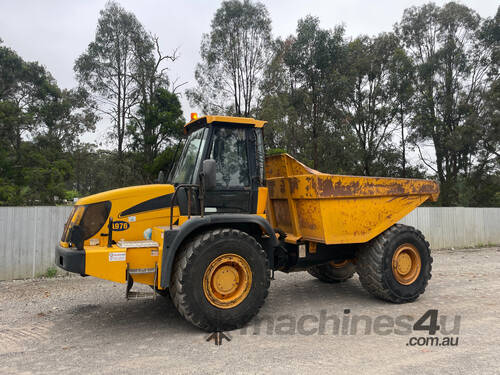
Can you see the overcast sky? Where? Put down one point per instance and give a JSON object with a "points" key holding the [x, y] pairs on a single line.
{"points": [[56, 32]]}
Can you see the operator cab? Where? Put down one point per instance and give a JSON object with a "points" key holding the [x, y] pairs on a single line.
{"points": [[237, 147]]}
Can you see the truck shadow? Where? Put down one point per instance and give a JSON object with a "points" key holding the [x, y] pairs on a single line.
{"points": [[139, 318], [148, 317]]}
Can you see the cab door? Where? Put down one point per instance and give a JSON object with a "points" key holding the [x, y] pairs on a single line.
{"points": [[229, 147]]}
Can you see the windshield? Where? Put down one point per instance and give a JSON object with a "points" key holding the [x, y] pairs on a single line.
{"points": [[189, 162]]}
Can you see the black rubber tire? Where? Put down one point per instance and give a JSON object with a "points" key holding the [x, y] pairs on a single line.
{"points": [[162, 292], [374, 264], [330, 274], [186, 285]]}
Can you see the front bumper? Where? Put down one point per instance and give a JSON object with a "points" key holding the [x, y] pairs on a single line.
{"points": [[70, 259]]}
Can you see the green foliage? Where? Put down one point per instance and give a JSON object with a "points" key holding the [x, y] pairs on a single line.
{"points": [[369, 109], [234, 54], [124, 70], [301, 86], [330, 101], [70, 195], [275, 151], [451, 62], [108, 67], [373, 105], [361, 106], [158, 125], [39, 125], [50, 273], [401, 84]]}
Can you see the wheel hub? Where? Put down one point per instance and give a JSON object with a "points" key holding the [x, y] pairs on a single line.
{"points": [[406, 264], [227, 281]]}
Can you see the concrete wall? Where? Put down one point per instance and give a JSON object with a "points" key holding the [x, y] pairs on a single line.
{"points": [[28, 234]]}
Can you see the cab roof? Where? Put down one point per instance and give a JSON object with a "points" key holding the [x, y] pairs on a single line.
{"points": [[224, 119]]}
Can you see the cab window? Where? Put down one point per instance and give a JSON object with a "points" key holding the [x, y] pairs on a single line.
{"points": [[229, 150], [189, 163]]}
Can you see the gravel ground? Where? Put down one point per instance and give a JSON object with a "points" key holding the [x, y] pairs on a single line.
{"points": [[85, 325]]}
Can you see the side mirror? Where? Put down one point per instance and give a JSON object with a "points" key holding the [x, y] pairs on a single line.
{"points": [[209, 174]]}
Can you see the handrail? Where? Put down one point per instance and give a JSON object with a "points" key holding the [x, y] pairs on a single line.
{"points": [[177, 188]]}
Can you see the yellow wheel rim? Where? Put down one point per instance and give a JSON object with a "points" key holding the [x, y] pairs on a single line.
{"points": [[227, 281], [406, 264], [340, 264]]}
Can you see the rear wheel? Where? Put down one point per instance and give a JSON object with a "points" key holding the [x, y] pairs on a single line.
{"points": [[333, 272], [396, 265], [220, 280]]}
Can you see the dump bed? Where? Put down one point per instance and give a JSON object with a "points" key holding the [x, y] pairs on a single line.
{"points": [[336, 209]]}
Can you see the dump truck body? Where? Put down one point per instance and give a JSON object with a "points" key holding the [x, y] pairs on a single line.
{"points": [[211, 238], [336, 209]]}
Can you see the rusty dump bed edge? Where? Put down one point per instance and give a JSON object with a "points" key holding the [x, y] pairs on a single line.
{"points": [[335, 209]]}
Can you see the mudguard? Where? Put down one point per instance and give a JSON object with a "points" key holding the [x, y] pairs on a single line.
{"points": [[172, 239]]}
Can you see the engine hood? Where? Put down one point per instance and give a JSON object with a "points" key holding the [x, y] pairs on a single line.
{"points": [[131, 193]]}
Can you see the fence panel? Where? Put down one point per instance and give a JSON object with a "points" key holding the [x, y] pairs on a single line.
{"points": [[446, 227], [28, 234], [27, 239]]}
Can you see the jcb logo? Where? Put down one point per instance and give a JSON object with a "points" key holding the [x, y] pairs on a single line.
{"points": [[120, 225]]}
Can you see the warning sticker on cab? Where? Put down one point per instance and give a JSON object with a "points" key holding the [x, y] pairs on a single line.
{"points": [[117, 257]]}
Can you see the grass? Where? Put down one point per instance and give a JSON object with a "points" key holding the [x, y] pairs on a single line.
{"points": [[50, 273]]}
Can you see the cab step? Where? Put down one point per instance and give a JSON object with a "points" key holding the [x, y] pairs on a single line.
{"points": [[141, 271], [132, 294]]}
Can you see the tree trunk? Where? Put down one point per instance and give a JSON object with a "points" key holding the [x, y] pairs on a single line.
{"points": [[403, 143]]}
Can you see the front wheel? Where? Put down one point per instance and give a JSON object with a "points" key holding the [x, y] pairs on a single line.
{"points": [[396, 265], [220, 280], [162, 292]]}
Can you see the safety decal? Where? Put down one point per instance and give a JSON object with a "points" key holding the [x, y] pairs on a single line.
{"points": [[117, 257]]}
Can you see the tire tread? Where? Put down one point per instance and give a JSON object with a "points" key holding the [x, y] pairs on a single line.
{"points": [[370, 269], [181, 273]]}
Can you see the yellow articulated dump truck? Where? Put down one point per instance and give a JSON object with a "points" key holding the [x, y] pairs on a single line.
{"points": [[229, 217]]}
